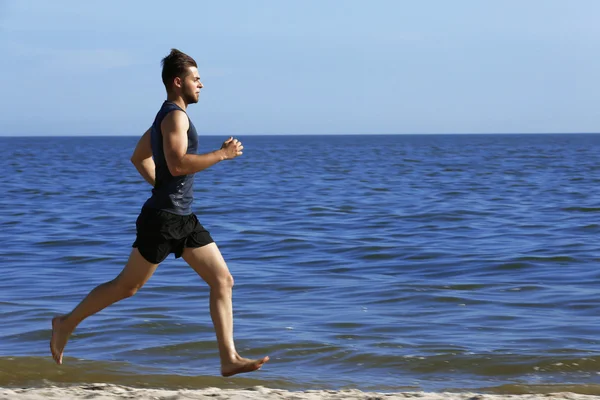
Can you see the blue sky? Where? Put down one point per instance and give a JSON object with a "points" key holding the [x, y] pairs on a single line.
{"points": [[304, 66]]}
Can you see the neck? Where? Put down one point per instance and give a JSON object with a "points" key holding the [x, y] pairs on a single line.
{"points": [[174, 98]]}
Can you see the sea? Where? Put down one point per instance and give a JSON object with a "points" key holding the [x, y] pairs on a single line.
{"points": [[383, 263]]}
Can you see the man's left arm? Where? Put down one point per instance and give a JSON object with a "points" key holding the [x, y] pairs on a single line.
{"points": [[142, 158]]}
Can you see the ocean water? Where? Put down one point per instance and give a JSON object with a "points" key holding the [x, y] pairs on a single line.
{"points": [[388, 263]]}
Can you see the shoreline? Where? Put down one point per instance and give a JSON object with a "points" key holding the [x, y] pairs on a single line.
{"points": [[104, 391]]}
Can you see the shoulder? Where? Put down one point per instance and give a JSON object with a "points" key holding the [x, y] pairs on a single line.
{"points": [[175, 120]]}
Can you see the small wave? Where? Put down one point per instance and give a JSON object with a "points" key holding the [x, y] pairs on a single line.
{"points": [[38, 371], [71, 242], [581, 209], [29, 371], [380, 256], [554, 389], [514, 266], [83, 259], [548, 259]]}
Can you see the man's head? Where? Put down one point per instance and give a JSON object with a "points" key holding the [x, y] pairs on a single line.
{"points": [[180, 76]]}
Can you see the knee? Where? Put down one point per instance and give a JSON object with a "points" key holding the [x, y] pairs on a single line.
{"points": [[126, 289], [129, 291], [224, 282]]}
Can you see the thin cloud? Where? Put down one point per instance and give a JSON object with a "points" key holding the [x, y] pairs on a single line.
{"points": [[3, 13], [95, 59], [71, 59]]}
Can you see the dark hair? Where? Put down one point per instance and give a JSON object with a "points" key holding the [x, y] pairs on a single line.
{"points": [[175, 65]]}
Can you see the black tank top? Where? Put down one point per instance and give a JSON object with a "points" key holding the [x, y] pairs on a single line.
{"points": [[173, 194]]}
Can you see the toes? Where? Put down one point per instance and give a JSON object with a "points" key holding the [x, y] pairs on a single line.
{"points": [[262, 361], [55, 356]]}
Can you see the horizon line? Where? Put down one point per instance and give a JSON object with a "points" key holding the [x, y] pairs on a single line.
{"points": [[312, 134]]}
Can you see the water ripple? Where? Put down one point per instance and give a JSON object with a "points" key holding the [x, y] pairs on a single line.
{"points": [[428, 261]]}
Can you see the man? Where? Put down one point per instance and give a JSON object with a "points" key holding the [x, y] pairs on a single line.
{"points": [[166, 156]]}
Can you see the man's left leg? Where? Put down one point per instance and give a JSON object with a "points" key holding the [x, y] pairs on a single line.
{"points": [[208, 262]]}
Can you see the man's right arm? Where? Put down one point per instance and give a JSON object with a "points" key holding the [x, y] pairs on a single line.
{"points": [[142, 158], [174, 129]]}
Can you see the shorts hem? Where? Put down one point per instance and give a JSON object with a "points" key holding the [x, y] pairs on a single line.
{"points": [[147, 257], [195, 246]]}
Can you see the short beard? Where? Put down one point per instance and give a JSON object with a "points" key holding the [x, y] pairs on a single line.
{"points": [[190, 99]]}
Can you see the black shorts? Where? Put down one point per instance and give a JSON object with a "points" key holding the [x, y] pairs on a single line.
{"points": [[160, 233]]}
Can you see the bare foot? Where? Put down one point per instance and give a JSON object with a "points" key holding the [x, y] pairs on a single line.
{"points": [[242, 365], [58, 341]]}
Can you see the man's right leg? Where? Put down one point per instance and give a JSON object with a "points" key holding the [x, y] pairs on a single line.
{"points": [[136, 272]]}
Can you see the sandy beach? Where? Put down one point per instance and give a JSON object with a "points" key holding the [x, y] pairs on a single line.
{"points": [[110, 392]]}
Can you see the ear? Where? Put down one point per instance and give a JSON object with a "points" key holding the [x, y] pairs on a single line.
{"points": [[177, 81]]}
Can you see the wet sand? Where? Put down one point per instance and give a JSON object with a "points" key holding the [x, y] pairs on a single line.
{"points": [[110, 392]]}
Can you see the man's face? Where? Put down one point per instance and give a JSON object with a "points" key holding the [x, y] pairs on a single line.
{"points": [[191, 85]]}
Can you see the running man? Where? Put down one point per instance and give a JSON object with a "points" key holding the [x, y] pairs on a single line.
{"points": [[166, 157]]}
